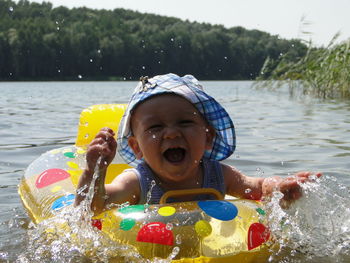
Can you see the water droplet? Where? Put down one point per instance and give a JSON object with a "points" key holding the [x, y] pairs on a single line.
{"points": [[91, 60], [178, 239], [86, 136], [11, 9], [99, 51], [171, 39], [225, 58], [282, 163], [58, 28], [143, 67], [149, 193], [56, 22], [169, 226], [248, 191], [80, 76], [206, 130], [153, 136], [59, 71], [174, 253]]}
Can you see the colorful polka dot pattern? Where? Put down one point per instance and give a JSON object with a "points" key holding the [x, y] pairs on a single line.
{"points": [[158, 233], [154, 232]]}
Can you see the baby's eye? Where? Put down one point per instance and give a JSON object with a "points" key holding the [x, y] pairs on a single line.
{"points": [[186, 122], [154, 127]]}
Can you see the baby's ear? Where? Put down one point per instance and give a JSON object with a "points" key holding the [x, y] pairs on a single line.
{"points": [[134, 145], [210, 135]]}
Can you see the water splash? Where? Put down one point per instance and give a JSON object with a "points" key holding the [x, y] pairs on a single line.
{"points": [[149, 193], [315, 228], [70, 236]]}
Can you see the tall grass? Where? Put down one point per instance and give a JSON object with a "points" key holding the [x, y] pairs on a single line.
{"points": [[323, 72]]}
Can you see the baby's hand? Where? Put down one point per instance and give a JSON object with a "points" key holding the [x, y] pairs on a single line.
{"points": [[289, 186], [103, 145]]}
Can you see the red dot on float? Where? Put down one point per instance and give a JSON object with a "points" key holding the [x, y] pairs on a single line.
{"points": [[51, 176]]}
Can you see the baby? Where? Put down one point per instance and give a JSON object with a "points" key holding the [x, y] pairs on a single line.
{"points": [[175, 135]]}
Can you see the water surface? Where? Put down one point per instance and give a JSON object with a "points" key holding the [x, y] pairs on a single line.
{"points": [[276, 135]]}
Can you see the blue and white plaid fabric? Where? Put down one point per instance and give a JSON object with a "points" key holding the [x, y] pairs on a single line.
{"points": [[188, 87]]}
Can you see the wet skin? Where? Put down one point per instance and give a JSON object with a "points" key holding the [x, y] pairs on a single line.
{"points": [[171, 136]]}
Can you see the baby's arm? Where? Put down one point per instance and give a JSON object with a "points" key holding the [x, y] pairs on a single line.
{"points": [[104, 146], [240, 185]]}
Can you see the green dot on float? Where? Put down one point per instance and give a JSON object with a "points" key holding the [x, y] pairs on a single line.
{"points": [[69, 154], [127, 223], [132, 209], [260, 211]]}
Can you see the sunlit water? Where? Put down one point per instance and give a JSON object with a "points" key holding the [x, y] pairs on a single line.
{"points": [[276, 135]]}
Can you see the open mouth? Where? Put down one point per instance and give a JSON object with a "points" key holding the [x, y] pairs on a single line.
{"points": [[174, 155]]}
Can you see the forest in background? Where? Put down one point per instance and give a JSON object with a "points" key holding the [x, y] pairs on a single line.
{"points": [[39, 42]]}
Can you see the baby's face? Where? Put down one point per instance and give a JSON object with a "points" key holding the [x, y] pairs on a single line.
{"points": [[171, 135]]}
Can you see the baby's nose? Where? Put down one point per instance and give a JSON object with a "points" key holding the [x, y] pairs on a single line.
{"points": [[171, 133]]}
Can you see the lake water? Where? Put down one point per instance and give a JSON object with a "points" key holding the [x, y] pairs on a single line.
{"points": [[276, 135]]}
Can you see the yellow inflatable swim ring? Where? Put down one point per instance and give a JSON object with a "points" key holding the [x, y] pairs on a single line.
{"points": [[202, 231]]}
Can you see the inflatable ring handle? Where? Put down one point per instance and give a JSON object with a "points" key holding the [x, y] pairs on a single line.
{"points": [[177, 193]]}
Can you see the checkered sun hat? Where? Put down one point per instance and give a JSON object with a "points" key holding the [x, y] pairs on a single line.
{"points": [[189, 88]]}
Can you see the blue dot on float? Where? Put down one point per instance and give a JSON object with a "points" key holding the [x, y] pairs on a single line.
{"points": [[63, 201], [222, 210]]}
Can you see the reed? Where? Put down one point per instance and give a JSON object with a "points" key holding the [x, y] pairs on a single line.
{"points": [[322, 72]]}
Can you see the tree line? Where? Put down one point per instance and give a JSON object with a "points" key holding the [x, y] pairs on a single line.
{"points": [[39, 42]]}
